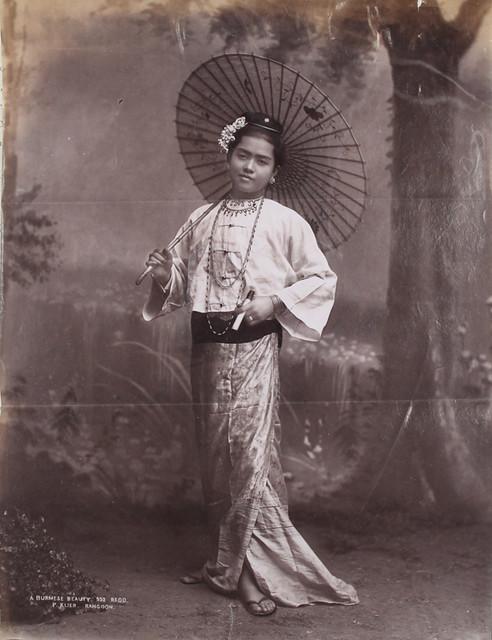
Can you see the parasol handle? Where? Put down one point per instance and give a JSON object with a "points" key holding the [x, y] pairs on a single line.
{"points": [[178, 239]]}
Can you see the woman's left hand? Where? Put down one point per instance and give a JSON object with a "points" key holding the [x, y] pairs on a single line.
{"points": [[257, 310]]}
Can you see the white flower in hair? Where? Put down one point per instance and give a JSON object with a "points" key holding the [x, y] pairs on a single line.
{"points": [[227, 133]]}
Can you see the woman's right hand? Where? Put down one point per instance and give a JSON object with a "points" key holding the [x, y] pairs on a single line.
{"points": [[161, 263]]}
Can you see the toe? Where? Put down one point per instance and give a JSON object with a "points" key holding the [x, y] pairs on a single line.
{"points": [[256, 607], [267, 606]]}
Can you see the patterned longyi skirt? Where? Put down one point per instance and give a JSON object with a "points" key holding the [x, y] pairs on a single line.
{"points": [[235, 389]]}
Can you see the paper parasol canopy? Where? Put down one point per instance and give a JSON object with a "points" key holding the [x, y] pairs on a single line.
{"points": [[323, 178]]}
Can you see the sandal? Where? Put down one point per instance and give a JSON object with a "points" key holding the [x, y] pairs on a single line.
{"points": [[248, 606], [191, 578]]}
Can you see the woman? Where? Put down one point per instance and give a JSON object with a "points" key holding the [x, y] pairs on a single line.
{"points": [[249, 256]]}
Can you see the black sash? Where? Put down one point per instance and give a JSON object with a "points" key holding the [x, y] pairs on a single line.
{"points": [[200, 329]]}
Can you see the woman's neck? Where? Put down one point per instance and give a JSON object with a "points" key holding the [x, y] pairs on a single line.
{"points": [[238, 195]]}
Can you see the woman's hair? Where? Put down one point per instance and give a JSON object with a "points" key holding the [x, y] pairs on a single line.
{"points": [[261, 125]]}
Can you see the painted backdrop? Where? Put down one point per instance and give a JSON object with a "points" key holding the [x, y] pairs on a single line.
{"points": [[394, 405]]}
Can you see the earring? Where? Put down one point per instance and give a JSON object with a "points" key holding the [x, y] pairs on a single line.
{"points": [[272, 180]]}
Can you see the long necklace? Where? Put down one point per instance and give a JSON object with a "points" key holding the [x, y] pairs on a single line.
{"points": [[221, 280]]}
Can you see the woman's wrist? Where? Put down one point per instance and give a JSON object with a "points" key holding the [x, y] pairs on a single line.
{"points": [[164, 287], [278, 306]]}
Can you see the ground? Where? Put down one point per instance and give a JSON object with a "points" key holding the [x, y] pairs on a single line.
{"points": [[414, 582]]}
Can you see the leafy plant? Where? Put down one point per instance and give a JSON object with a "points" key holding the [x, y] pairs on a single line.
{"points": [[31, 241], [345, 379], [32, 566], [476, 369], [357, 412], [67, 422]]}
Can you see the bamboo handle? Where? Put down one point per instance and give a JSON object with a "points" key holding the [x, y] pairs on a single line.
{"points": [[178, 239]]}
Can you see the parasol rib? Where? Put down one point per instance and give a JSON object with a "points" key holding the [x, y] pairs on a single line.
{"points": [[281, 190], [194, 115], [265, 106], [281, 92], [318, 137], [329, 146], [226, 107], [201, 141], [205, 164], [292, 93], [240, 100], [302, 152], [272, 112], [347, 184], [289, 196], [199, 105], [249, 79], [331, 168], [333, 222], [196, 127], [208, 178], [314, 186], [291, 140], [194, 153], [331, 196], [221, 188], [248, 97], [206, 100], [276, 190], [288, 139], [239, 106], [342, 193], [316, 215], [301, 102]]}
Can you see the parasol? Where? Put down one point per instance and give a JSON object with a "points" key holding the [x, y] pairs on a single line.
{"points": [[323, 177]]}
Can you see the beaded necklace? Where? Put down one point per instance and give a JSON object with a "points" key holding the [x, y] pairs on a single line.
{"points": [[221, 280], [233, 207]]}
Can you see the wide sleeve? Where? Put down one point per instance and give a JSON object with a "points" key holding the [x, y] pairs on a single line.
{"points": [[163, 300], [310, 299]]}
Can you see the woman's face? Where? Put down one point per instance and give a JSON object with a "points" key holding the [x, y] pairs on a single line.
{"points": [[251, 165]]}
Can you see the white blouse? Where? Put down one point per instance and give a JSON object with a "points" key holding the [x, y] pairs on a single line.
{"points": [[284, 259]]}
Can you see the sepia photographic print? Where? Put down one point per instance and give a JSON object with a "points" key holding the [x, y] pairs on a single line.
{"points": [[246, 320]]}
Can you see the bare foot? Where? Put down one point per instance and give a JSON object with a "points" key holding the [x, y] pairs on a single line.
{"points": [[253, 599], [192, 577]]}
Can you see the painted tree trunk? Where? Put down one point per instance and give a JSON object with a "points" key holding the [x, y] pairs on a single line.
{"points": [[435, 239]]}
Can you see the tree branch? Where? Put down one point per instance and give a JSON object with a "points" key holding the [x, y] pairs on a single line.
{"points": [[389, 12], [468, 21]]}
